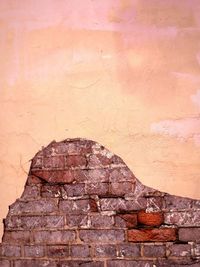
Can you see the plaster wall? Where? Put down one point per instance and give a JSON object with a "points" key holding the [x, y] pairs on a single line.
{"points": [[123, 73]]}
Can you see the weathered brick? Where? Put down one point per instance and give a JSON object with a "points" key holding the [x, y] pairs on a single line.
{"points": [[91, 176], [119, 204], [51, 191], [54, 162], [34, 251], [31, 192], [100, 189], [4, 263], [180, 250], [30, 222], [11, 251], [128, 220], [183, 218], [105, 251], [189, 234], [33, 180], [102, 236], [121, 174], [16, 237], [35, 263], [82, 263], [58, 251], [80, 251], [74, 189], [121, 188], [155, 251], [174, 203], [80, 220], [101, 221], [81, 206], [155, 204], [142, 235], [150, 218], [56, 237], [75, 161], [98, 160], [55, 176], [37, 162], [35, 206], [131, 263], [128, 250]]}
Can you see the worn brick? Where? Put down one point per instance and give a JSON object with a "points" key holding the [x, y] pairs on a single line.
{"points": [[100, 189], [80, 220], [82, 263], [33, 180], [180, 250], [54, 162], [74, 189], [121, 188], [121, 175], [4, 263], [91, 176], [155, 204], [98, 160], [58, 251], [31, 192], [81, 206], [37, 162], [128, 220], [56, 237], [189, 234], [119, 204], [80, 251], [102, 236], [130, 263], [11, 251], [105, 250], [153, 250], [150, 218], [55, 176], [51, 191], [34, 251], [75, 161], [142, 235], [35, 206], [16, 237], [174, 203], [128, 250], [35, 263], [101, 221], [183, 218]]}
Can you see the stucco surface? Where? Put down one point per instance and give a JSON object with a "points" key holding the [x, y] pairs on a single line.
{"points": [[123, 73]]}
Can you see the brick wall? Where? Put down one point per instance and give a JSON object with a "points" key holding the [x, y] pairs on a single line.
{"points": [[82, 206]]}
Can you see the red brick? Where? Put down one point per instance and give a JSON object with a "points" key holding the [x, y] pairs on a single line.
{"points": [[121, 175], [102, 236], [5, 263], [75, 161], [80, 220], [150, 218], [31, 192], [55, 176], [100, 189], [98, 160], [58, 251], [51, 190], [80, 251], [54, 162], [33, 180], [16, 237], [80, 206], [122, 188], [37, 162], [189, 234], [126, 220], [143, 235], [55, 237], [74, 189], [91, 176], [105, 250], [35, 263], [11, 251], [34, 251]]}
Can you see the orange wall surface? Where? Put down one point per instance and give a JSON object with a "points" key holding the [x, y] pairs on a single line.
{"points": [[125, 73]]}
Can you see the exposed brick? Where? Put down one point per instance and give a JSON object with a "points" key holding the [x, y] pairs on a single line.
{"points": [[98, 160], [74, 189], [35, 263], [129, 250], [80, 251], [34, 251], [183, 218], [126, 220], [34, 206], [102, 236], [16, 237], [154, 204], [81, 206], [131, 263], [180, 250], [11, 251], [150, 218], [31, 192], [91, 176], [55, 176], [54, 162], [58, 251], [51, 191], [121, 174], [100, 189], [189, 234], [119, 204], [37, 163], [122, 188], [155, 251], [33, 180], [56, 237], [77, 221], [80, 263], [105, 250], [142, 235], [75, 161], [174, 203], [101, 221], [4, 263]]}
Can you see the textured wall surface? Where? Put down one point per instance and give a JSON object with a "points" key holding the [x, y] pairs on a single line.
{"points": [[122, 72], [82, 206]]}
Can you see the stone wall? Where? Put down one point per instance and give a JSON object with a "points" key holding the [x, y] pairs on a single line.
{"points": [[82, 206]]}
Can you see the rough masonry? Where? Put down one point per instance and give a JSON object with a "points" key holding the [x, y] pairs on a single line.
{"points": [[82, 206]]}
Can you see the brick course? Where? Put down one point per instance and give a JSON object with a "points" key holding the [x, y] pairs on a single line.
{"points": [[82, 206]]}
